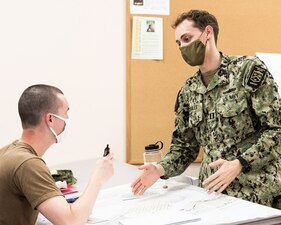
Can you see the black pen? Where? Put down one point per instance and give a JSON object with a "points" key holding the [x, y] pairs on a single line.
{"points": [[106, 151]]}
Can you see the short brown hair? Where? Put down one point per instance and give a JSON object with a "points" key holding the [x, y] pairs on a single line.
{"points": [[201, 20], [35, 101]]}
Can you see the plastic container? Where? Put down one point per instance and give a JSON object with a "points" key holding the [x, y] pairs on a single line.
{"points": [[152, 153]]}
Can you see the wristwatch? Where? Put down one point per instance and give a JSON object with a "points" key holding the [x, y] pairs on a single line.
{"points": [[246, 167]]}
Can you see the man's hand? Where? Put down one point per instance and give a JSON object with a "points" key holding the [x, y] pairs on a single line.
{"points": [[228, 171], [149, 176], [103, 169], [58, 211]]}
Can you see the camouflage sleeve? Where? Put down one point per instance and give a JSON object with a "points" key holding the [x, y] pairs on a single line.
{"points": [[184, 147], [266, 104]]}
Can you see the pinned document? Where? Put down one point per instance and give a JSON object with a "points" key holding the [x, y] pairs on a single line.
{"points": [[156, 7], [147, 38]]}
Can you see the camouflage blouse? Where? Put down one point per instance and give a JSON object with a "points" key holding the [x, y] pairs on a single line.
{"points": [[239, 113]]}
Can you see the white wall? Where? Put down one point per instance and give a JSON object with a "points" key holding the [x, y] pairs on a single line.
{"points": [[78, 46]]}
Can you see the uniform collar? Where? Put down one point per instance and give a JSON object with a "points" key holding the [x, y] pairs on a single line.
{"points": [[221, 77]]}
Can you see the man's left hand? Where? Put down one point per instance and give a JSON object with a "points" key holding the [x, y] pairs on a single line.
{"points": [[227, 172]]}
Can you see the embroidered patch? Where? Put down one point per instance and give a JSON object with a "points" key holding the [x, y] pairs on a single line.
{"points": [[257, 76]]}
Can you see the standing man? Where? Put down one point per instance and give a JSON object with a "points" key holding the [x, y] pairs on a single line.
{"points": [[230, 107], [27, 186]]}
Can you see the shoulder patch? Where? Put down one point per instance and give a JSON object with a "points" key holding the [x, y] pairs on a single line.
{"points": [[256, 77]]}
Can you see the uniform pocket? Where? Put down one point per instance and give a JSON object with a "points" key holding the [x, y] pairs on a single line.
{"points": [[232, 104], [234, 117], [195, 115]]}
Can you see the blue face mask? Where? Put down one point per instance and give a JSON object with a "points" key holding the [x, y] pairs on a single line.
{"points": [[61, 136]]}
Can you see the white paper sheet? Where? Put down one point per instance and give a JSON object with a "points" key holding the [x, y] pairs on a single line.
{"points": [[118, 204], [179, 203], [147, 38], [165, 218], [156, 7]]}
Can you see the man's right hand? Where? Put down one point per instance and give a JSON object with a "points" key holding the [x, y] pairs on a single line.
{"points": [[103, 169], [149, 176], [58, 211]]}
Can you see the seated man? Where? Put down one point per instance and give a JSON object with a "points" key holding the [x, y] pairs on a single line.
{"points": [[27, 186]]}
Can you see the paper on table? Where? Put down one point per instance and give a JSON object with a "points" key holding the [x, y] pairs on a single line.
{"points": [[170, 217], [184, 200], [178, 203], [153, 206], [118, 202]]}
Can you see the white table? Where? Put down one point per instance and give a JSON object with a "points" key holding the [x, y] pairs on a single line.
{"points": [[125, 174]]}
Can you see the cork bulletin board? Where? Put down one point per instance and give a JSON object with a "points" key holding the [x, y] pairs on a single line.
{"points": [[246, 27]]}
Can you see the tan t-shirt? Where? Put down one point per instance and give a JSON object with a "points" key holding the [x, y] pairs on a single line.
{"points": [[25, 182]]}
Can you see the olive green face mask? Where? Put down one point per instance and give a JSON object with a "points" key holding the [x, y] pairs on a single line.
{"points": [[194, 53]]}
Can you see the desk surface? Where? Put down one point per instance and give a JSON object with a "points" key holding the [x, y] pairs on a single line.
{"points": [[125, 174]]}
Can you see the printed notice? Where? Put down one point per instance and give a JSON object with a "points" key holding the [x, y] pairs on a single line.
{"points": [[147, 38], [155, 7]]}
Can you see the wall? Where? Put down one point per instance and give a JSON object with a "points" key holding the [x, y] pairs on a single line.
{"points": [[78, 46]]}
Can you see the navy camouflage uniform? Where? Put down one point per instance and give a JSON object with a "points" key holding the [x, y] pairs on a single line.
{"points": [[238, 114]]}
